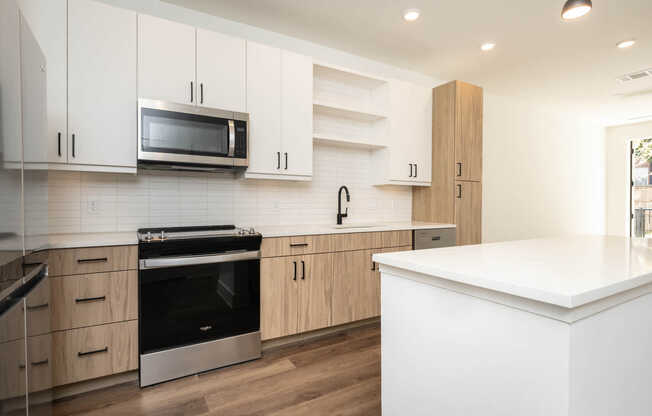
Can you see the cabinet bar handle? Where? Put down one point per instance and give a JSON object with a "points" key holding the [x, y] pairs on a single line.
{"points": [[42, 362], [373, 266], [73, 145], [201, 93], [459, 191], [436, 238], [416, 172], [295, 270], [97, 260], [298, 244], [192, 92], [303, 270], [59, 143], [82, 300], [459, 168], [278, 160], [410, 170], [286, 160], [35, 307], [82, 354]]}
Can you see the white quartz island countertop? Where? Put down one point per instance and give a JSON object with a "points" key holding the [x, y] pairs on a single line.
{"points": [[550, 327], [566, 271]]}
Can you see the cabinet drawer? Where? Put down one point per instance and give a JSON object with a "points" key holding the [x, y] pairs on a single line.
{"points": [[96, 351], [434, 238], [92, 260], [95, 299], [357, 241], [298, 245], [397, 238], [39, 353]]}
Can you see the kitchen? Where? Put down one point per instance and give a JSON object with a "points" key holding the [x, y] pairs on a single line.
{"points": [[201, 205]]}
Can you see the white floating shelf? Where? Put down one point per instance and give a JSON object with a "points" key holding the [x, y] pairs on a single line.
{"points": [[346, 142], [339, 110]]}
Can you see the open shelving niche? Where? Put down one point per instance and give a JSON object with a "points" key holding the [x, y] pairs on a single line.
{"points": [[349, 108]]}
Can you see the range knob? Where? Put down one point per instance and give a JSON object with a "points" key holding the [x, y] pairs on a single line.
{"points": [[252, 231], [163, 237], [148, 237]]}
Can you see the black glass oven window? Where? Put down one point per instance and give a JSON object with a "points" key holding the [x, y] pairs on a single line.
{"points": [[191, 304], [181, 133]]}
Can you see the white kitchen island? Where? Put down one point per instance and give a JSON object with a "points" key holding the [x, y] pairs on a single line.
{"points": [[545, 327]]}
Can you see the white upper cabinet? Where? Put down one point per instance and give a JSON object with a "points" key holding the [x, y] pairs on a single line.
{"points": [[166, 60], [263, 106], [409, 156], [296, 113], [33, 103], [221, 70], [47, 20], [10, 127], [102, 101], [279, 103]]}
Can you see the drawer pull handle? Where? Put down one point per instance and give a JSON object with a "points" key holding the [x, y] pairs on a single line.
{"points": [[82, 354], [35, 307], [97, 260], [436, 238], [205, 328], [303, 270], [42, 362], [298, 244], [373, 266], [83, 300]]}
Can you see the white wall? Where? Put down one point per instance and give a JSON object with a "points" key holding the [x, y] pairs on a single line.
{"points": [[618, 159], [128, 202], [543, 174]]}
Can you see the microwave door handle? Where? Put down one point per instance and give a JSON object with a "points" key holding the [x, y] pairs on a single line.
{"points": [[231, 138]]}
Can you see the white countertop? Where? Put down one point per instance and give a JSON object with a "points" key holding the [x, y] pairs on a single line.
{"points": [[313, 229], [91, 240], [566, 271]]}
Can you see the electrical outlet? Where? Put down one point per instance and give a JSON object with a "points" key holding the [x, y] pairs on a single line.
{"points": [[91, 207]]}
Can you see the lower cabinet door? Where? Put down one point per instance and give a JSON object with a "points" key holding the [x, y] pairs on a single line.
{"points": [[468, 212], [354, 289], [315, 289], [95, 351], [279, 294]]}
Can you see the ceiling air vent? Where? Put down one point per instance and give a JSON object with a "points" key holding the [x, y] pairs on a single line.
{"points": [[636, 75]]}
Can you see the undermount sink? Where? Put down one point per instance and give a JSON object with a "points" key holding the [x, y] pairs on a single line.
{"points": [[347, 226]]}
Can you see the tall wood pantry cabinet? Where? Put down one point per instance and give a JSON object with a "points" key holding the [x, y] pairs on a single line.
{"points": [[456, 192]]}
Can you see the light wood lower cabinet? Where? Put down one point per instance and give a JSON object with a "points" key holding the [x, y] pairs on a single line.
{"points": [[94, 299], [40, 362], [92, 260], [295, 294], [468, 212], [315, 288], [352, 287], [96, 351]]}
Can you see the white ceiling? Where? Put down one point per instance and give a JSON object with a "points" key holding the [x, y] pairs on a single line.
{"points": [[537, 57]]}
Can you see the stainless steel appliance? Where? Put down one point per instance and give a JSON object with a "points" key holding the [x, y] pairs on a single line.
{"points": [[180, 136], [434, 238], [199, 300]]}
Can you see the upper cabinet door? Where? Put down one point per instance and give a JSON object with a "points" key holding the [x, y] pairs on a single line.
{"points": [[263, 106], [403, 139], [10, 119], [166, 60], [47, 20], [296, 114], [468, 133], [422, 108], [102, 99], [221, 71], [33, 103]]}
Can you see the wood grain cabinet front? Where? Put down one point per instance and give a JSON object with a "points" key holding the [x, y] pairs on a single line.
{"points": [[92, 260], [96, 351], [94, 299], [297, 245]]}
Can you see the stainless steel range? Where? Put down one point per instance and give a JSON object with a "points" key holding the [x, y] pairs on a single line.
{"points": [[199, 300]]}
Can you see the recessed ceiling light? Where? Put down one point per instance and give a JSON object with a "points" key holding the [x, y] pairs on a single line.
{"points": [[488, 46], [411, 15], [626, 43], [574, 9]]}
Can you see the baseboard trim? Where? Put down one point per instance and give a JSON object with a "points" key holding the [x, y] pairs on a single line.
{"points": [[86, 386], [313, 335]]}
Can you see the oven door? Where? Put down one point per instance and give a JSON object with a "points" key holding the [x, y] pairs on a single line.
{"points": [[185, 134], [188, 300]]}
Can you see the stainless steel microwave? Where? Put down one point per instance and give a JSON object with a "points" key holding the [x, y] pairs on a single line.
{"points": [[179, 136]]}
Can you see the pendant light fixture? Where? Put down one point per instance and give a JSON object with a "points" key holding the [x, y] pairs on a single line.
{"points": [[574, 9]]}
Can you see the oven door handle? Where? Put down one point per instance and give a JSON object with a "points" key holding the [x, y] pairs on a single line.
{"points": [[231, 138], [164, 262]]}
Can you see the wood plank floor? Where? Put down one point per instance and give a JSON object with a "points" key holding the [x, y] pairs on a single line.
{"points": [[337, 375]]}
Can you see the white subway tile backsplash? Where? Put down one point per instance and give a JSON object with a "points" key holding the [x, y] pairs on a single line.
{"points": [[90, 202]]}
